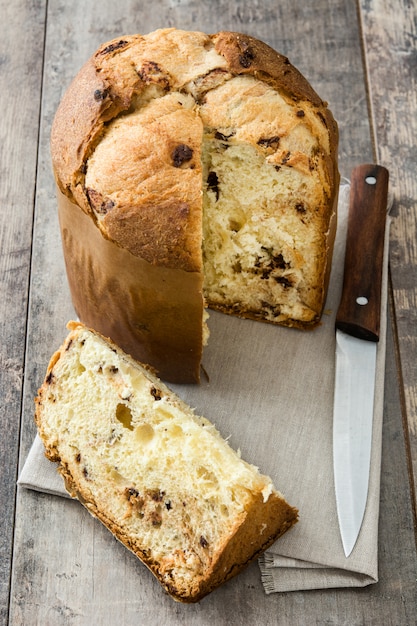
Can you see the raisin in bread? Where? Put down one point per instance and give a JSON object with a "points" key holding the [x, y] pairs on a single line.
{"points": [[193, 171], [159, 477]]}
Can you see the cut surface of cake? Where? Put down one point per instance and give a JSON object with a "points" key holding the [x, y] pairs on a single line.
{"points": [[210, 164], [159, 477]]}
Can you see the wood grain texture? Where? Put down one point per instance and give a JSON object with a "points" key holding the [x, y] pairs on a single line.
{"points": [[21, 54], [390, 34], [67, 569], [362, 277]]}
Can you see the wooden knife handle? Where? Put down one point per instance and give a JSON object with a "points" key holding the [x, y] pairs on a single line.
{"points": [[360, 305]]}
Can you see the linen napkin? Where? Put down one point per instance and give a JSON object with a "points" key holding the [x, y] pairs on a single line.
{"points": [[270, 391]]}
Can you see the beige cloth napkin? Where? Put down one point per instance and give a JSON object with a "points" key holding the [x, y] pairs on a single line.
{"points": [[270, 391]]}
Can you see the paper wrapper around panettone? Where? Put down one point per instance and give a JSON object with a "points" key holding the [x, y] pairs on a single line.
{"points": [[153, 313]]}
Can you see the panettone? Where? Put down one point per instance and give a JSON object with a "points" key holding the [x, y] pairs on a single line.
{"points": [[193, 171], [159, 477]]}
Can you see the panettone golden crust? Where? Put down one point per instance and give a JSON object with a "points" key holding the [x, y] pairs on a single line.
{"points": [[247, 55], [131, 145], [97, 96]]}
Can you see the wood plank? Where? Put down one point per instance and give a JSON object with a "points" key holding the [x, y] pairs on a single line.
{"points": [[390, 34], [21, 34], [67, 568]]}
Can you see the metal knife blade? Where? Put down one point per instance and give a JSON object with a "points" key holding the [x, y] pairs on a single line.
{"points": [[357, 334]]}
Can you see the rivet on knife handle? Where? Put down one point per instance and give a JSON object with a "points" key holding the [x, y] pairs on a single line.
{"points": [[360, 305]]}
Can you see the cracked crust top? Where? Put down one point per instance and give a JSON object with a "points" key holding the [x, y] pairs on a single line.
{"points": [[126, 74]]}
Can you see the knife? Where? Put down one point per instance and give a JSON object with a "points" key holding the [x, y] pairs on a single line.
{"points": [[357, 336]]}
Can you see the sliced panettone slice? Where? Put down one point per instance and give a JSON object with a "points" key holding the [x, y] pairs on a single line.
{"points": [[159, 477]]}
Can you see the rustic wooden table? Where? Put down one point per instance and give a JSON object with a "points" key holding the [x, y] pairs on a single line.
{"points": [[59, 566]]}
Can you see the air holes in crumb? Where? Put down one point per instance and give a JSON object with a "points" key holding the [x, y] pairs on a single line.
{"points": [[234, 225], [224, 510], [116, 477], [163, 413], [206, 475], [176, 431], [144, 433], [124, 415]]}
